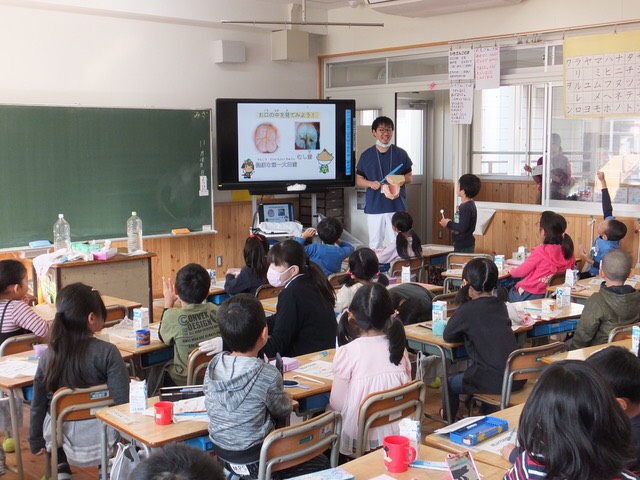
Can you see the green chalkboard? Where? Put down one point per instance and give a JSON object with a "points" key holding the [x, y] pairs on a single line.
{"points": [[96, 165]]}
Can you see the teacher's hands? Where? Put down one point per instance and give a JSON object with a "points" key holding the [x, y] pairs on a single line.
{"points": [[374, 185]]}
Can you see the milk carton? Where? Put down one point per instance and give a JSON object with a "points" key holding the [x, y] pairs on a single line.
{"points": [[411, 429], [140, 318], [137, 396], [439, 311], [635, 339], [499, 261], [406, 274], [563, 297]]}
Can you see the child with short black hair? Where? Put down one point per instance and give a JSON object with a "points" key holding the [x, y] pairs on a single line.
{"points": [[363, 268], [244, 395], [330, 254], [407, 244], [463, 239], [614, 305], [610, 232], [190, 324], [621, 368], [254, 273], [178, 461]]}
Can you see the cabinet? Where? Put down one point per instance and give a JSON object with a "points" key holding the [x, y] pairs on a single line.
{"points": [[329, 204]]}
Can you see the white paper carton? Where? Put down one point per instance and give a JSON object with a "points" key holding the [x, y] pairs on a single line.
{"points": [[140, 318], [439, 310], [137, 396], [411, 429]]}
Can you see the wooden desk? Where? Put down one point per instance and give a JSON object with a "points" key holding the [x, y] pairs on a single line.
{"points": [[314, 388], [589, 286], [453, 277], [270, 305], [217, 288], [431, 252], [584, 353], [511, 415], [122, 276], [372, 464], [534, 307], [47, 311]]}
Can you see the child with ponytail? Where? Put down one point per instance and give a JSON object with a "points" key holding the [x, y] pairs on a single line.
{"points": [[407, 244], [371, 358], [304, 321], [75, 359], [363, 268], [554, 255], [483, 324], [254, 273]]}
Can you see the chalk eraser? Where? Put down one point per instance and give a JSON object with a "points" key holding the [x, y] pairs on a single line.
{"points": [[40, 244], [180, 231]]}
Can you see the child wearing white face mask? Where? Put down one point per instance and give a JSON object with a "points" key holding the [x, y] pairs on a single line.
{"points": [[304, 321]]}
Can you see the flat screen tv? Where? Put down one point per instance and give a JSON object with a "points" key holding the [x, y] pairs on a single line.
{"points": [[279, 146]]}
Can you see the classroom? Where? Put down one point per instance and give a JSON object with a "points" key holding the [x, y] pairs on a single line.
{"points": [[181, 57]]}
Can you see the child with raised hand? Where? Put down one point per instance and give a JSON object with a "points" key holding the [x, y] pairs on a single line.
{"points": [[371, 358], [407, 244], [572, 428], [75, 359], [363, 268], [16, 316], [483, 324], [254, 273], [614, 305], [554, 255], [610, 232], [463, 239], [329, 254], [304, 321]]}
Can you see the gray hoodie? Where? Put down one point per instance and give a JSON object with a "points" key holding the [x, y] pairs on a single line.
{"points": [[242, 395]]}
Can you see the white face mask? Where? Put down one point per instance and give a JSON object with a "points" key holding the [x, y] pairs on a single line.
{"points": [[275, 277], [383, 145]]}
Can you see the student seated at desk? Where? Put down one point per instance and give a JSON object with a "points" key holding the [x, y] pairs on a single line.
{"points": [[178, 461], [244, 395], [483, 324], [329, 254], [407, 244], [75, 359], [621, 368], [371, 358], [363, 268], [616, 304], [16, 316], [254, 273], [304, 321], [572, 428], [194, 322]]}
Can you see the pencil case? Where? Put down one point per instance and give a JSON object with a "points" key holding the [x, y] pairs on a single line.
{"points": [[480, 431], [173, 394]]}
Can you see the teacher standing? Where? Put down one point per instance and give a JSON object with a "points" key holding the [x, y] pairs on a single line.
{"points": [[381, 201]]}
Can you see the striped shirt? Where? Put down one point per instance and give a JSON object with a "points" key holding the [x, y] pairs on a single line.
{"points": [[20, 315], [526, 468]]}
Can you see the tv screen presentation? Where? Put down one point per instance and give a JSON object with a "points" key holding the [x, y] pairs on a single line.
{"points": [[275, 146]]}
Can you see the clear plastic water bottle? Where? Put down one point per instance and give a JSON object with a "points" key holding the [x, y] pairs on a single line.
{"points": [[61, 234], [134, 233]]}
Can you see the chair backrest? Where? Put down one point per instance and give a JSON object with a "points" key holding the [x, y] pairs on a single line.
{"points": [[415, 264], [290, 446], [450, 298], [267, 291], [555, 279], [526, 364], [617, 333], [383, 408], [337, 279], [69, 405], [19, 344], [115, 314], [196, 366], [459, 260]]}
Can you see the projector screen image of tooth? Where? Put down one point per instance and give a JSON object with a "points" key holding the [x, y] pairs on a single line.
{"points": [[290, 141]]}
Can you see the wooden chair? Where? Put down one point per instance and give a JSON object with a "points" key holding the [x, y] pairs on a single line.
{"points": [[415, 264], [617, 333], [383, 408], [555, 280], [19, 343], [522, 364], [457, 260], [197, 366], [290, 446], [337, 279], [70, 405], [267, 291], [115, 314], [450, 298]]}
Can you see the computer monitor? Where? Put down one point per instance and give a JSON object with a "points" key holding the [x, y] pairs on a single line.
{"points": [[276, 212]]}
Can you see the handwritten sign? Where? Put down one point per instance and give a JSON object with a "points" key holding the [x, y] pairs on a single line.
{"points": [[487, 61], [461, 100], [461, 64]]}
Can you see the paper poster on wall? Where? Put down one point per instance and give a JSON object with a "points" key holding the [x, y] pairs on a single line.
{"points": [[602, 75], [487, 61], [461, 63], [461, 100]]}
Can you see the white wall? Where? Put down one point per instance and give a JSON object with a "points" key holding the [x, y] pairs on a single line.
{"points": [[67, 56], [530, 15]]}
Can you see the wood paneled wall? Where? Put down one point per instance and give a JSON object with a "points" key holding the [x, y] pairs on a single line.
{"points": [[509, 191], [511, 228]]}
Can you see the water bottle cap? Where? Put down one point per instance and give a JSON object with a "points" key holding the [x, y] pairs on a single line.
{"points": [[60, 215], [133, 213]]}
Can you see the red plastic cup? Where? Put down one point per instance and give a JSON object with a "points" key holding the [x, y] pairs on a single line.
{"points": [[398, 454], [164, 413]]}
